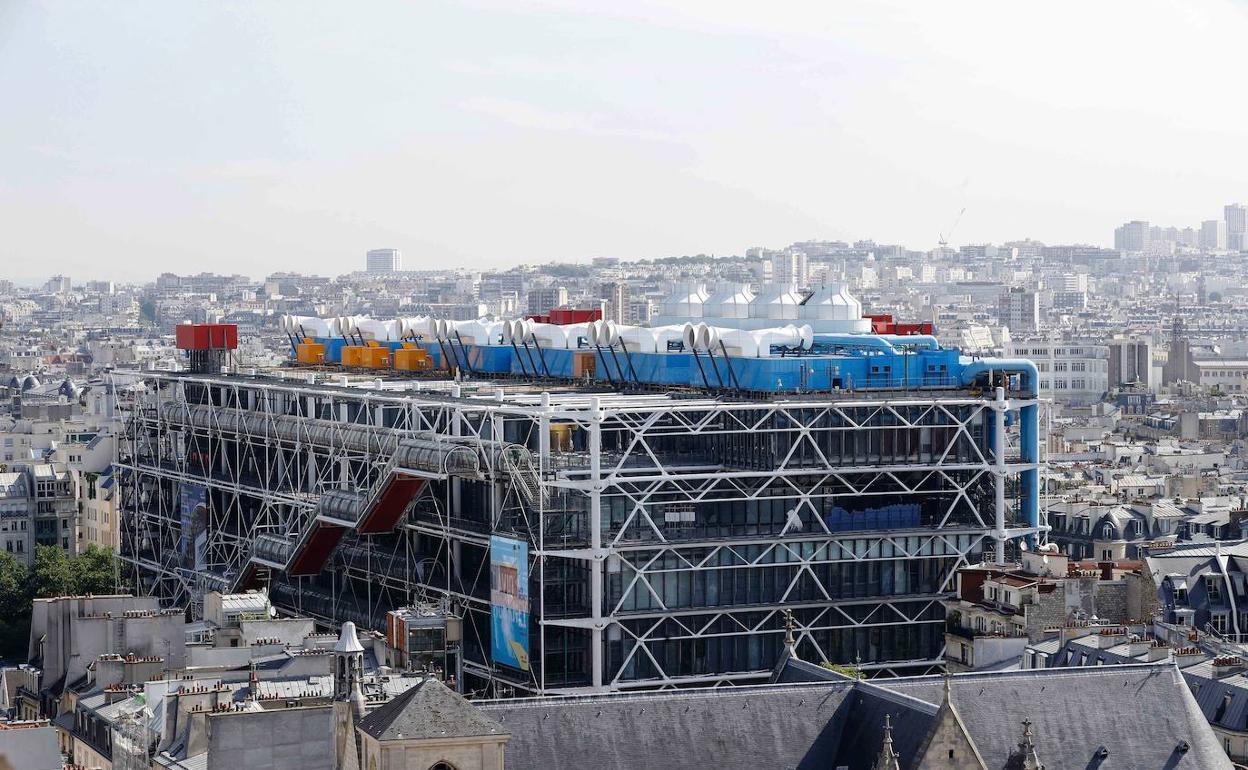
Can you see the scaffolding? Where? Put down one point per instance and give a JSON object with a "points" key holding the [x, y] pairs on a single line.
{"points": [[667, 534]]}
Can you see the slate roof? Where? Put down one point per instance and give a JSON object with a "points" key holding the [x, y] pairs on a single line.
{"points": [[1140, 713], [1224, 701], [739, 728], [863, 735], [428, 710]]}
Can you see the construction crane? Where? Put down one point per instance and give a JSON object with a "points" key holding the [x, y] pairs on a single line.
{"points": [[944, 239]]}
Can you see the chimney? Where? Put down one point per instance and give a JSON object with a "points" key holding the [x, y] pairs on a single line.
{"points": [[1186, 656], [1158, 650], [1074, 629], [1226, 665], [1137, 646], [1107, 570], [1110, 637]]}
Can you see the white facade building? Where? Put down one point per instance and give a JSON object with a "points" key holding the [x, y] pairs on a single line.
{"points": [[383, 261], [1070, 371], [790, 267], [1228, 375], [1213, 235], [1019, 309]]}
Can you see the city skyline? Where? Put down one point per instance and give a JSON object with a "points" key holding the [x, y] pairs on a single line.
{"points": [[363, 261], [485, 135]]}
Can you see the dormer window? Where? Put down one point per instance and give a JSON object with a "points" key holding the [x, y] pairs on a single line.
{"points": [[1213, 588]]}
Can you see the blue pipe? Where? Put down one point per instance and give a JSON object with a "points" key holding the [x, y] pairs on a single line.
{"points": [[1028, 424], [865, 341], [1026, 370], [921, 341]]}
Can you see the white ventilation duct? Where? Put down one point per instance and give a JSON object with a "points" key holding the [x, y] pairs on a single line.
{"points": [[308, 326], [576, 332], [744, 343], [346, 324], [479, 332], [662, 335], [375, 329], [701, 336], [730, 300], [635, 339], [520, 331], [416, 326], [785, 336], [689, 336], [596, 333], [547, 335]]}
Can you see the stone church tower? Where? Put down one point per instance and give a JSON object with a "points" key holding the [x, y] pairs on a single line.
{"points": [[349, 703]]}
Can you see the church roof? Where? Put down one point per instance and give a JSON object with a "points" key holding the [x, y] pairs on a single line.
{"points": [[428, 710], [741, 728], [1143, 715]]}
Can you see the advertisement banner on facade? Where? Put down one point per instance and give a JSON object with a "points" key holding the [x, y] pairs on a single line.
{"points": [[509, 602], [193, 502]]}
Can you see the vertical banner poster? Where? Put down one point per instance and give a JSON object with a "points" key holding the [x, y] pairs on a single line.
{"points": [[193, 502], [509, 602]]}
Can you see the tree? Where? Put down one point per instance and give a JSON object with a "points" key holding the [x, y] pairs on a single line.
{"points": [[94, 571], [52, 574], [14, 607]]}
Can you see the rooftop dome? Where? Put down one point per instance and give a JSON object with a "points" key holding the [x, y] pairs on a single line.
{"points": [[347, 640], [777, 301], [685, 301], [730, 300], [832, 302]]}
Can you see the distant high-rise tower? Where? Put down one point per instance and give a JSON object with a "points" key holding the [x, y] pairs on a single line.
{"points": [[1133, 236], [383, 261], [616, 295], [1213, 235], [543, 299], [1236, 217], [1019, 310], [791, 267]]}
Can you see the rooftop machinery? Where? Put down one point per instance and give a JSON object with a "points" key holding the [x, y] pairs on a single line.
{"points": [[592, 534]]}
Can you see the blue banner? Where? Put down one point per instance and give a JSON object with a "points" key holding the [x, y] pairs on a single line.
{"points": [[509, 602], [193, 502]]}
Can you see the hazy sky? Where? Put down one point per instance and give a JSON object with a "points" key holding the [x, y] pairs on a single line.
{"points": [[137, 137]]}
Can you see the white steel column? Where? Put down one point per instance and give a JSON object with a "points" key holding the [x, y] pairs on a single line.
{"points": [[543, 462], [1000, 407], [595, 539]]}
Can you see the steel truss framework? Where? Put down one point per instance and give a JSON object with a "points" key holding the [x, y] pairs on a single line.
{"points": [[667, 535]]}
